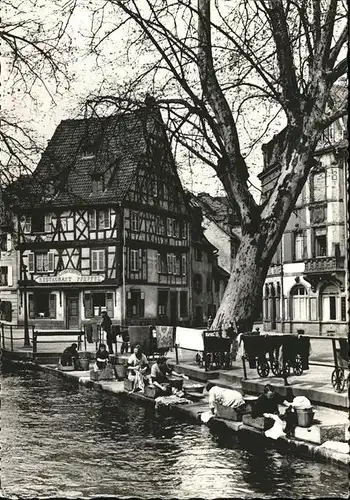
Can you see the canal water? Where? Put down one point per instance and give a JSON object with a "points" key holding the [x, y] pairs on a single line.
{"points": [[69, 441]]}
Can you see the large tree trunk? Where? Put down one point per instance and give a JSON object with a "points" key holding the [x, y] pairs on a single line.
{"points": [[243, 293]]}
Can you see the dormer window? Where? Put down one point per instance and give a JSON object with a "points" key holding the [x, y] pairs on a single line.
{"points": [[87, 151], [97, 183]]}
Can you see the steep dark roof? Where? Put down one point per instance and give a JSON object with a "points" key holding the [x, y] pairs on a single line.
{"points": [[113, 146], [217, 209]]}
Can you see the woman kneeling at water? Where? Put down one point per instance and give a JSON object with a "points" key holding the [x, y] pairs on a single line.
{"points": [[159, 374]]}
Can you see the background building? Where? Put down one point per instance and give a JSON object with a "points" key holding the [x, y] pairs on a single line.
{"points": [[306, 286]]}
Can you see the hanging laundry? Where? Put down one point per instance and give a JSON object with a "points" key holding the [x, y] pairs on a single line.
{"points": [[164, 336]]}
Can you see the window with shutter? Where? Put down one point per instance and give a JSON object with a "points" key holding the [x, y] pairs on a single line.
{"points": [[31, 306], [88, 305], [101, 260], [31, 262], [159, 263], [184, 265], [134, 260], [48, 223], [109, 304], [51, 261], [98, 260], [52, 306], [177, 265], [92, 220], [169, 263], [8, 242]]}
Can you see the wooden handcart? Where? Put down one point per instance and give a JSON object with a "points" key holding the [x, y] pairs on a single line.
{"points": [[341, 364]]}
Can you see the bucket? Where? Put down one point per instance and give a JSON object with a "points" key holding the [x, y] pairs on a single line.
{"points": [[120, 371], [304, 416], [84, 363]]}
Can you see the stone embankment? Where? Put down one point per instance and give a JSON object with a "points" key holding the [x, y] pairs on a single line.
{"points": [[325, 440]]}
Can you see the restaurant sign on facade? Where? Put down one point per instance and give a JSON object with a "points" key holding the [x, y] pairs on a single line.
{"points": [[68, 276]]}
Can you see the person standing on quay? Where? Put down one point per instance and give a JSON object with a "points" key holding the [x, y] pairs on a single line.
{"points": [[106, 325]]}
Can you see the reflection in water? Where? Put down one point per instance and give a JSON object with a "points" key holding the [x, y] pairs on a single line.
{"points": [[63, 440]]}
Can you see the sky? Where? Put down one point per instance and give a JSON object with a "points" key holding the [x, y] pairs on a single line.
{"points": [[44, 113]]}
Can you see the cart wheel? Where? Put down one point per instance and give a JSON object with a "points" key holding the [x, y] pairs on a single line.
{"points": [[228, 360], [275, 368], [338, 379], [286, 369], [209, 361], [298, 365], [263, 368]]}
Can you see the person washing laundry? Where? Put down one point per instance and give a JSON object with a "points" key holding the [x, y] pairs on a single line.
{"points": [[138, 367], [225, 397], [70, 356], [160, 371]]}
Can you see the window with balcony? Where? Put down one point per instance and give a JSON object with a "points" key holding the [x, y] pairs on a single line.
{"points": [[320, 242]]}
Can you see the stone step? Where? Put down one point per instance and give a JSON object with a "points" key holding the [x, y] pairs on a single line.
{"points": [[232, 377], [320, 433]]}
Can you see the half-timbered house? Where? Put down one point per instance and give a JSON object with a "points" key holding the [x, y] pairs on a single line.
{"points": [[103, 224]]}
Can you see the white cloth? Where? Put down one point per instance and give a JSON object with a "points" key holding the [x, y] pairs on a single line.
{"points": [[189, 338], [206, 416], [301, 402], [240, 350], [225, 397], [277, 430]]}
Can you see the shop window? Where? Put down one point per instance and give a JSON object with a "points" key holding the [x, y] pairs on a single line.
{"points": [[3, 242], [3, 276], [183, 304], [5, 310], [135, 304], [162, 303], [42, 305], [98, 260], [96, 302], [299, 303]]}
